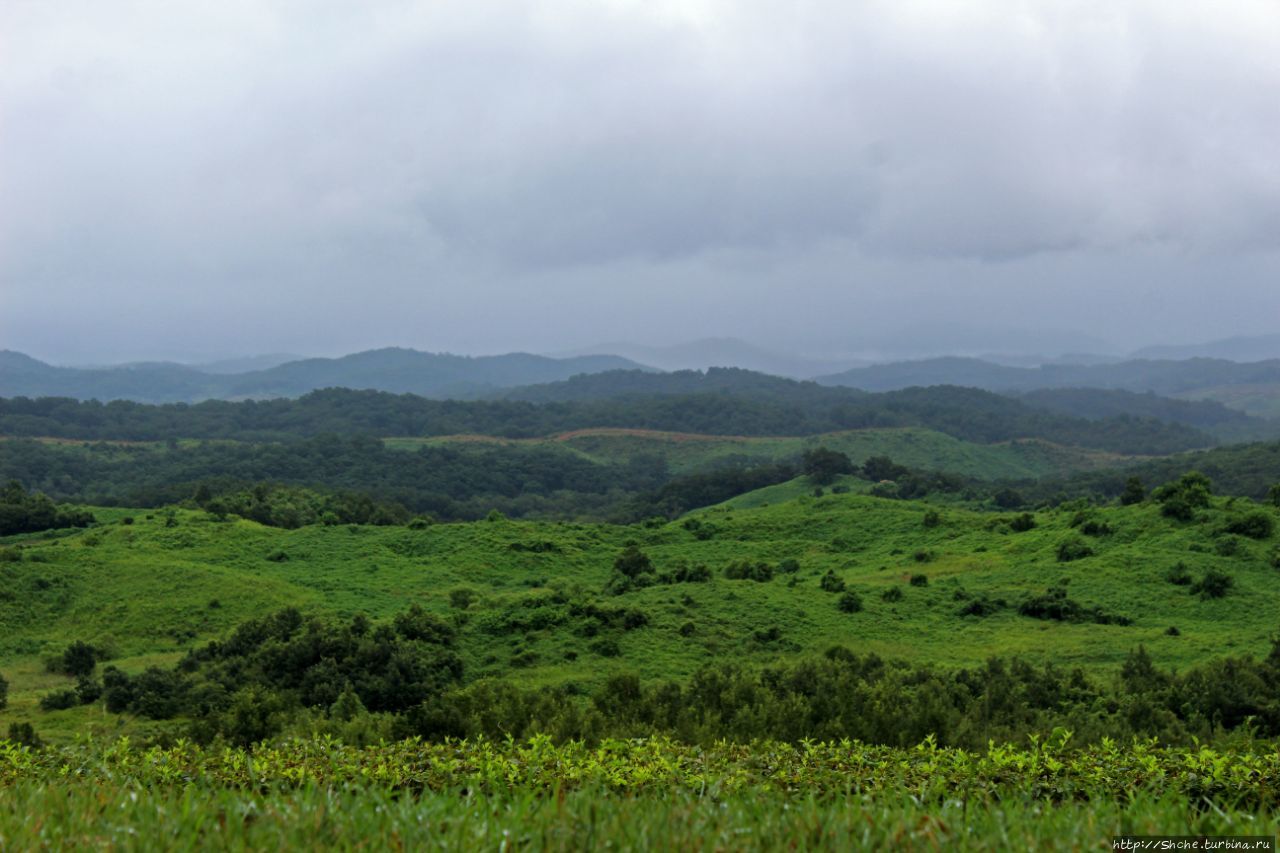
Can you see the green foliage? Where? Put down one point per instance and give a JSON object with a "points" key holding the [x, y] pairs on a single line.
{"points": [[1190, 491], [981, 605], [849, 602], [1214, 583], [932, 518], [880, 468], [831, 582], [892, 594], [4, 691], [1072, 549], [23, 512], [24, 734], [632, 563], [1134, 492], [1255, 525], [316, 794], [1022, 523], [1178, 574], [747, 570], [462, 597], [823, 465], [78, 659], [1055, 605], [919, 580]]}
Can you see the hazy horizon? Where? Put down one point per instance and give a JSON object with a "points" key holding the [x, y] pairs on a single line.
{"points": [[205, 181]]}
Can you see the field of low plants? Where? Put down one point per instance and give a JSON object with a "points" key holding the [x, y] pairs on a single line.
{"points": [[639, 794]]}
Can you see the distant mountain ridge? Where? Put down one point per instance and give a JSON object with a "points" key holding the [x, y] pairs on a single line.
{"points": [[1157, 376], [706, 353], [1241, 348], [396, 370]]}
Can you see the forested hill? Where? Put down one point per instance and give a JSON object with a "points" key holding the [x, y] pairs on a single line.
{"points": [[616, 384], [1246, 470], [790, 408], [395, 370], [1157, 376], [1097, 403]]}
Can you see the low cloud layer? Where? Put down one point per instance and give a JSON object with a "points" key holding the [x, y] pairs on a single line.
{"points": [[199, 179]]}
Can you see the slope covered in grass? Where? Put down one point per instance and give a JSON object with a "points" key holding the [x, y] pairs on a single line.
{"points": [[150, 589]]}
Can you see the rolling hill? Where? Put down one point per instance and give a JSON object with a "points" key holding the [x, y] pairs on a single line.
{"points": [[393, 369], [1194, 378], [151, 585]]}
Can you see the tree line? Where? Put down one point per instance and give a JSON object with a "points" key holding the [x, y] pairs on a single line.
{"points": [[964, 413]]}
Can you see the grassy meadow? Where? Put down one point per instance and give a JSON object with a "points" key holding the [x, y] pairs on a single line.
{"points": [[150, 585]]}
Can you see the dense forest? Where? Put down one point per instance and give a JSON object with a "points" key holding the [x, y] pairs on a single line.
{"points": [[783, 408]]}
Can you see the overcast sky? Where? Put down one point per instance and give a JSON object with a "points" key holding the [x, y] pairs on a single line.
{"points": [[192, 180]]}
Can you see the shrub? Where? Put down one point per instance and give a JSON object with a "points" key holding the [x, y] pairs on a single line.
{"points": [[24, 735], [462, 597], [632, 563], [1173, 631], [923, 556], [919, 580], [1073, 549], [1177, 509], [1178, 574], [770, 635], [745, 570], [524, 659], [1255, 525], [831, 582], [4, 692], [88, 690], [1022, 523], [1213, 584], [1007, 499], [1055, 605], [932, 518], [893, 593], [822, 465], [1096, 528], [850, 602], [59, 700], [688, 629], [78, 659], [606, 648], [1134, 492], [278, 556], [789, 566], [981, 605], [1228, 546]]}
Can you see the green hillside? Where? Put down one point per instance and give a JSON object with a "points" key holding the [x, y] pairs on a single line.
{"points": [[914, 447], [152, 588]]}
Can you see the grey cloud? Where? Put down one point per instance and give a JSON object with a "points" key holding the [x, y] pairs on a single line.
{"points": [[215, 161]]}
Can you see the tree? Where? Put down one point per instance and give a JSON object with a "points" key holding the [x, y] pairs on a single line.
{"points": [[823, 465], [4, 692], [1134, 492], [79, 659], [632, 563], [880, 468]]}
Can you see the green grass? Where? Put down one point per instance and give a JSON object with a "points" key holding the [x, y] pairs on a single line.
{"points": [[911, 446], [631, 795], [150, 591]]}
